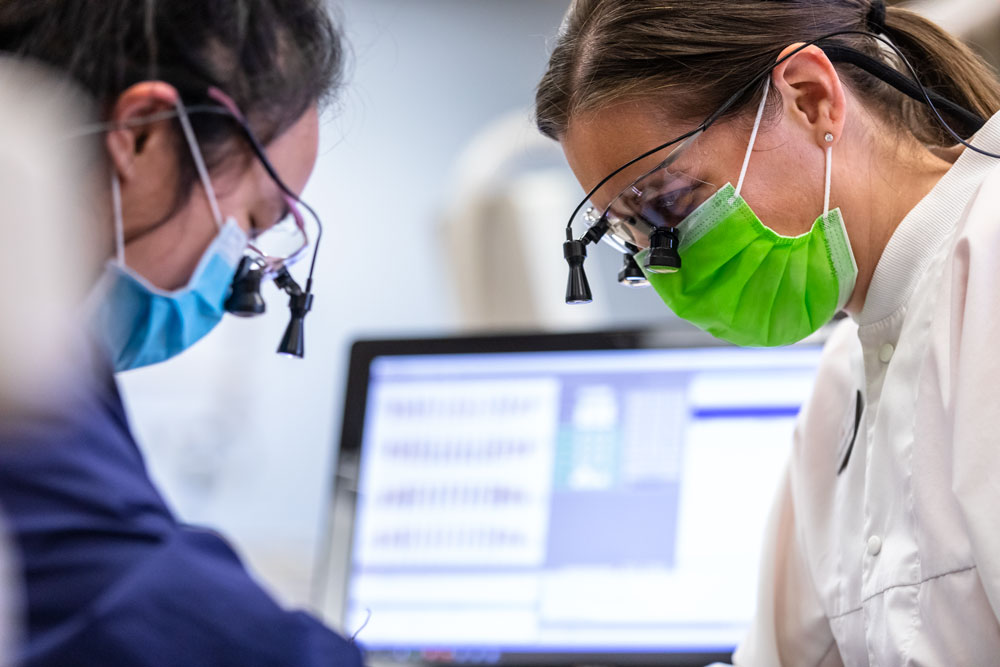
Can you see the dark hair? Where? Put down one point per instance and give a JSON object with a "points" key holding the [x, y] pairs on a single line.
{"points": [[274, 58], [698, 54]]}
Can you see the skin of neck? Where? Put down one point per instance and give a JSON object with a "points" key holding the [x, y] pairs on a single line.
{"points": [[877, 192]]}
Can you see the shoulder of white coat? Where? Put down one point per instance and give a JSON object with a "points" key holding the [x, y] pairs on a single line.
{"points": [[966, 314], [973, 253], [980, 221]]}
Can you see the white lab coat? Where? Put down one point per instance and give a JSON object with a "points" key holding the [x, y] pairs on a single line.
{"points": [[896, 560]]}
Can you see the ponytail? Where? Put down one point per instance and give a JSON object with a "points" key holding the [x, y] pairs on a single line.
{"points": [[945, 65]]}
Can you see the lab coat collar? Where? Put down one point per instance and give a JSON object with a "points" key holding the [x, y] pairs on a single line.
{"points": [[909, 251]]}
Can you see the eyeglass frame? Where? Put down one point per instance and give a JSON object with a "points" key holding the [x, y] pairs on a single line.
{"points": [[590, 214]]}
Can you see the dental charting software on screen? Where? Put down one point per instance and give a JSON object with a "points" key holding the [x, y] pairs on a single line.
{"points": [[569, 501]]}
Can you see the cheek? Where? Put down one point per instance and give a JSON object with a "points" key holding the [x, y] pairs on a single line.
{"points": [[168, 255], [784, 187], [238, 195]]}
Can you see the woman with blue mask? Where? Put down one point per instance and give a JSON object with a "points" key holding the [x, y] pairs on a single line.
{"points": [[208, 130], [764, 165]]}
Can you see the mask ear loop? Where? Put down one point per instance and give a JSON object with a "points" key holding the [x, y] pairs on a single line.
{"points": [[753, 138], [829, 174], [116, 205], [199, 162]]}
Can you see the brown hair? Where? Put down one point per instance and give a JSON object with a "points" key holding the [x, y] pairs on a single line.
{"points": [[274, 58], [696, 55]]}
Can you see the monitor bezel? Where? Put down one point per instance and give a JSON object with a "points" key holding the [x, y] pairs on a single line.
{"points": [[335, 562]]}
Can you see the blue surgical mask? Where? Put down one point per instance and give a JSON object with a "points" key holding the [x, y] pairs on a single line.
{"points": [[141, 324]]}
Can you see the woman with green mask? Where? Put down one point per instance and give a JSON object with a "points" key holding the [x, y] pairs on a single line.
{"points": [[765, 164]]}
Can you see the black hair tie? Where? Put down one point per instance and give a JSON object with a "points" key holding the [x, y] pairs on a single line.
{"points": [[875, 21]]}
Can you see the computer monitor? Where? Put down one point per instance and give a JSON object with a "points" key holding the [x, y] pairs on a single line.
{"points": [[559, 499]]}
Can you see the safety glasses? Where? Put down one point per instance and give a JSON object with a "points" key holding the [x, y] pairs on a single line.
{"points": [[659, 199], [282, 244]]}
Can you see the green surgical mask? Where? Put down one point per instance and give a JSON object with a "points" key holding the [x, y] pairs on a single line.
{"points": [[746, 284]]}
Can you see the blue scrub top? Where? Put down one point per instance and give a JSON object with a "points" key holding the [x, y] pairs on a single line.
{"points": [[111, 577]]}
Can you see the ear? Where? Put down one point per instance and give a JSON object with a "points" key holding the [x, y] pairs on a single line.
{"points": [[131, 134], [812, 92]]}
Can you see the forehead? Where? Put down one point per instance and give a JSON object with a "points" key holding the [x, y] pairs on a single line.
{"points": [[598, 142]]}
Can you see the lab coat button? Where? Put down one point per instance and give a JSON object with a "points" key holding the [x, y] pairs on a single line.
{"points": [[885, 353], [874, 545]]}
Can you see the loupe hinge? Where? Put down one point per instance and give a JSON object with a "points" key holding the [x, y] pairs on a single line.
{"points": [[597, 231], [285, 282], [631, 275]]}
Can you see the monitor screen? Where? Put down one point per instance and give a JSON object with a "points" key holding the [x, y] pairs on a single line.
{"points": [[607, 502]]}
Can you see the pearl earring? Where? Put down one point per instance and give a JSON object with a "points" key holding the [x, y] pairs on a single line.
{"points": [[829, 138]]}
